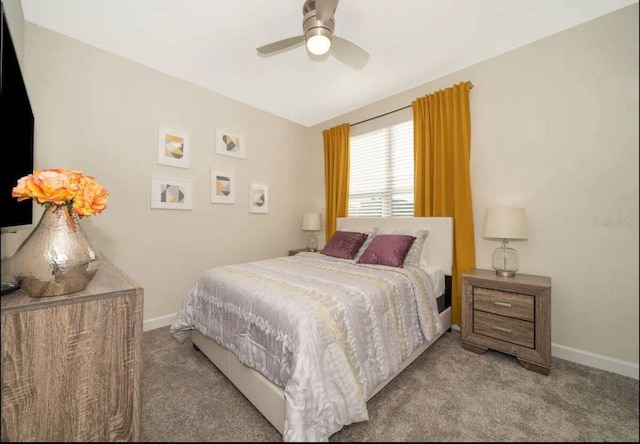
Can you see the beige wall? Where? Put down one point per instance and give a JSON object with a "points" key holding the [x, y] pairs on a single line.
{"points": [[555, 130], [15, 20], [100, 113]]}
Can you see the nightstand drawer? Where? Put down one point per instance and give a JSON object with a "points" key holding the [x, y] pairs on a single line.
{"points": [[506, 329], [513, 305]]}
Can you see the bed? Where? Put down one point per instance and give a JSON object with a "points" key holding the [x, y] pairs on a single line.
{"points": [[309, 339]]}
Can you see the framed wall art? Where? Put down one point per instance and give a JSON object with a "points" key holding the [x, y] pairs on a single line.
{"points": [[230, 144], [258, 197], [223, 186], [171, 194], [174, 147]]}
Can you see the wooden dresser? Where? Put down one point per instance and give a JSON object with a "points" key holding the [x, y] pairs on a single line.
{"points": [[71, 364], [508, 314]]}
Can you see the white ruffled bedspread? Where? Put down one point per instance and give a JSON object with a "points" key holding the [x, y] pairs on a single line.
{"points": [[326, 330]]}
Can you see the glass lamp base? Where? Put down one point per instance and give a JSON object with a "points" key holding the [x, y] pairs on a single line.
{"points": [[312, 242], [505, 273], [505, 260]]}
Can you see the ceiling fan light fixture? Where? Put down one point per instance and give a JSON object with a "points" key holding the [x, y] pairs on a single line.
{"points": [[318, 44], [317, 27], [318, 34]]}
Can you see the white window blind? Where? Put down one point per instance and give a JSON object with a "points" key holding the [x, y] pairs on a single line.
{"points": [[381, 174]]}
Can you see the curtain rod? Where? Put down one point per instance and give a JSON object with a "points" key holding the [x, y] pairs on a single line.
{"points": [[386, 114]]}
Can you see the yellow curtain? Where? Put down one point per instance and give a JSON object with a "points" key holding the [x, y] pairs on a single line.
{"points": [[442, 148], [336, 174]]}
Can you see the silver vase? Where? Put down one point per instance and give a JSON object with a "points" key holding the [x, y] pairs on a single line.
{"points": [[56, 258]]}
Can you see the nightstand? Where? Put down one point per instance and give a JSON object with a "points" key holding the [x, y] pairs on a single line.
{"points": [[508, 314], [294, 252]]}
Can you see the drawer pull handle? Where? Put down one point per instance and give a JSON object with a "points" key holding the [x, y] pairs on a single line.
{"points": [[506, 330], [502, 304]]}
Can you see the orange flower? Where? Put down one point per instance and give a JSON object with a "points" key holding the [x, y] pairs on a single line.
{"points": [[92, 198], [60, 187], [21, 191]]}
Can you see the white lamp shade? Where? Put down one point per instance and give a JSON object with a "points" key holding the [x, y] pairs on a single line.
{"points": [[312, 222], [505, 223]]}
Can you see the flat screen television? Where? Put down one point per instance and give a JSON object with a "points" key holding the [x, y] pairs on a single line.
{"points": [[17, 137]]}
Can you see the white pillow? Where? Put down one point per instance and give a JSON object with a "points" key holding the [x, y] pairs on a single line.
{"points": [[412, 259], [366, 243]]}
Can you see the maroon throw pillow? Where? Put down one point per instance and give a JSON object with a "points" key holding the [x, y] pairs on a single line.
{"points": [[387, 249], [344, 244]]}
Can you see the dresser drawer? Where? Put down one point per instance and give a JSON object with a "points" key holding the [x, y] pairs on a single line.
{"points": [[506, 329], [513, 305]]}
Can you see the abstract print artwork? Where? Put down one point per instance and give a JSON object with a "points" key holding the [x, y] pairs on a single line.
{"points": [[171, 194], [258, 197], [173, 147], [223, 186], [230, 144]]}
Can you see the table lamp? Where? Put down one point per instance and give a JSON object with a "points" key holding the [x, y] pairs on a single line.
{"points": [[312, 222], [505, 224]]}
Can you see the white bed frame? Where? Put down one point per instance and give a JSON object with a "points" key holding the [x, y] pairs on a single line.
{"points": [[267, 397]]}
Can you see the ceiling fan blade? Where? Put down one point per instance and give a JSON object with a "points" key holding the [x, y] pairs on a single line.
{"points": [[349, 53], [280, 45], [325, 9]]}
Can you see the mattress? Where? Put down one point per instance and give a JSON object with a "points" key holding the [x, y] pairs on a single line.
{"points": [[436, 276]]}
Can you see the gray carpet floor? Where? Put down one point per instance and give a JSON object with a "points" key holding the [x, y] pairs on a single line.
{"points": [[447, 394]]}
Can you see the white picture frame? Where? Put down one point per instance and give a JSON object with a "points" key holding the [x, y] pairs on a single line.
{"points": [[258, 197], [174, 146], [230, 144], [171, 194], [223, 186]]}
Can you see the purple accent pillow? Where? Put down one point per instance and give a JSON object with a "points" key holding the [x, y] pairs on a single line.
{"points": [[387, 249], [344, 244]]}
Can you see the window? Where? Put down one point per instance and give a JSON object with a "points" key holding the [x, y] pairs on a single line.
{"points": [[381, 175]]}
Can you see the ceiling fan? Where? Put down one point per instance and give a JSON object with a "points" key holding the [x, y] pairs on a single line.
{"points": [[318, 25]]}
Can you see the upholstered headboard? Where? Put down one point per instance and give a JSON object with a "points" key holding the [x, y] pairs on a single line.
{"points": [[438, 247]]}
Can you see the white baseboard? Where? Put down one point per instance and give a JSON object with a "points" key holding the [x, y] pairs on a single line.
{"points": [[589, 359], [159, 322], [601, 362], [559, 351]]}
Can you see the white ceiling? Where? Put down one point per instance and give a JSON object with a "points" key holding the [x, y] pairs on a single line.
{"points": [[212, 43]]}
